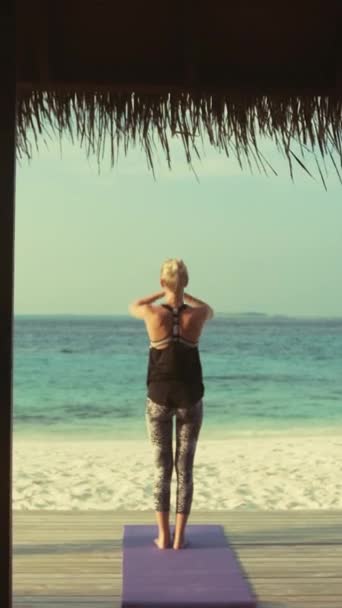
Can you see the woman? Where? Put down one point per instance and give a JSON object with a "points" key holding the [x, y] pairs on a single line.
{"points": [[174, 381]]}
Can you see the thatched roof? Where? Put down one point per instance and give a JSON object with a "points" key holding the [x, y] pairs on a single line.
{"points": [[143, 71]]}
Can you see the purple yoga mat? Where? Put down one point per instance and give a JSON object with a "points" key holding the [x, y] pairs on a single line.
{"points": [[205, 574]]}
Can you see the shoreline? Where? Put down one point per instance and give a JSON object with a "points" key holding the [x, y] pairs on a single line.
{"points": [[207, 435]]}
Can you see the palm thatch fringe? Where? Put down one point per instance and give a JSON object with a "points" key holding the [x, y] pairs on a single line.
{"points": [[233, 123]]}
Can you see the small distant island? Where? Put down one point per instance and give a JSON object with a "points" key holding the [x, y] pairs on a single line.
{"points": [[243, 314]]}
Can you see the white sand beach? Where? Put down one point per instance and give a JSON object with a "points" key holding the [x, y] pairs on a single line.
{"points": [[240, 473]]}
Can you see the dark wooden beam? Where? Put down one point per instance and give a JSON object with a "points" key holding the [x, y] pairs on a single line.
{"points": [[24, 87], [191, 34], [338, 47], [40, 9], [7, 193]]}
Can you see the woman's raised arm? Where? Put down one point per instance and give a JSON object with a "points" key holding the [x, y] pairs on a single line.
{"points": [[196, 303]]}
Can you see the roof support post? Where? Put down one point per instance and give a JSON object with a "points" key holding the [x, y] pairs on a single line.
{"points": [[7, 194]]}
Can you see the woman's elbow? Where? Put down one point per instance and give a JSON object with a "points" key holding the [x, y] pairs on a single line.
{"points": [[210, 313]]}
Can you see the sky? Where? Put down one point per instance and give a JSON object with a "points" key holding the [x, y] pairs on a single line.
{"points": [[91, 243]]}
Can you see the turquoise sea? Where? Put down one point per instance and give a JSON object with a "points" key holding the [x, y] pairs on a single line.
{"points": [[85, 376]]}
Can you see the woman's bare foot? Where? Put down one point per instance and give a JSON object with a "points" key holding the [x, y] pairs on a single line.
{"points": [[162, 544], [180, 544], [179, 531]]}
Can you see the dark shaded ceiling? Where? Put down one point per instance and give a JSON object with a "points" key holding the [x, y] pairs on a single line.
{"points": [[175, 44]]}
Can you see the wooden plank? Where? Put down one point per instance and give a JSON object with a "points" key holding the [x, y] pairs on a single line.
{"points": [[94, 602], [266, 528], [66, 601]]}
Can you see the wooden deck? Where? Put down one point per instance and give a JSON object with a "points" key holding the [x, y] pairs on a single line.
{"points": [[73, 559]]}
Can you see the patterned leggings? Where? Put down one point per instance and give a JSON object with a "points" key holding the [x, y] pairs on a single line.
{"points": [[159, 426]]}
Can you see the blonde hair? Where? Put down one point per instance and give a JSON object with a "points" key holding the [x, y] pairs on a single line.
{"points": [[175, 274]]}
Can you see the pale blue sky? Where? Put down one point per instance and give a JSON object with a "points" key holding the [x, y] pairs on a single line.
{"points": [[89, 244]]}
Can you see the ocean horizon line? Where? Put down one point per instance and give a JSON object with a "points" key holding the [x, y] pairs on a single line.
{"points": [[217, 314]]}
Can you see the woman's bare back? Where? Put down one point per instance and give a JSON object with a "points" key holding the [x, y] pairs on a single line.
{"points": [[191, 321]]}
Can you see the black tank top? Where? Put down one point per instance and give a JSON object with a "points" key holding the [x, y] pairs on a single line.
{"points": [[174, 375]]}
